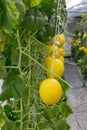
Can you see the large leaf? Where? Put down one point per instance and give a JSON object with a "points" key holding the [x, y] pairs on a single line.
{"points": [[2, 13], [65, 109], [43, 123], [14, 57], [3, 73], [43, 35], [2, 120], [10, 113], [62, 125], [65, 85], [21, 8], [35, 20], [12, 87], [51, 112], [10, 125], [10, 13], [47, 6], [31, 3], [35, 2]]}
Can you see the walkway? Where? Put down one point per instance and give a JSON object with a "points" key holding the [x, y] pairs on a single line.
{"points": [[77, 98]]}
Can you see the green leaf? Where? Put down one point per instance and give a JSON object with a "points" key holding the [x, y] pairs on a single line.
{"points": [[25, 93], [25, 61], [65, 109], [47, 128], [34, 2], [2, 60], [27, 4], [35, 20], [12, 87], [5, 94], [43, 35], [47, 6], [42, 124], [2, 120], [11, 19], [31, 3], [62, 125], [14, 57], [51, 112], [3, 73], [11, 12], [10, 125], [2, 11], [21, 8], [10, 113], [65, 85]]}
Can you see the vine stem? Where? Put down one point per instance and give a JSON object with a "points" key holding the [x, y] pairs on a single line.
{"points": [[12, 67], [21, 126], [19, 67], [20, 52], [34, 92], [46, 69], [33, 38], [29, 84], [70, 62]]}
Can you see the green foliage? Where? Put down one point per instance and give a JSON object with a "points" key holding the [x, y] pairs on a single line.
{"points": [[11, 115], [2, 120], [65, 109], [21, 9], [80, 25], [56, 20], [47, 6], [62, 125], [79, 56], [34, 3], [10, 14], [31, 3], [65, 86], [21, 64], [12, 87], [3, 71], [76, 54], [82, 63], [36, 18]]}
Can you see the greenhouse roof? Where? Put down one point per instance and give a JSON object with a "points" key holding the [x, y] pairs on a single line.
{"points": [[76, 7]]}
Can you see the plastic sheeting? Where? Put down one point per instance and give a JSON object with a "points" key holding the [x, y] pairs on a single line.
{"points": [[76, 7]]}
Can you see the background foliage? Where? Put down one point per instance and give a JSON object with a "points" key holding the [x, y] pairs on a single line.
{"points": [[79, 55]]}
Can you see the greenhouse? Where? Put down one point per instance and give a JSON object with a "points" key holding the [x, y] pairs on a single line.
{"points": [[43, 64]]}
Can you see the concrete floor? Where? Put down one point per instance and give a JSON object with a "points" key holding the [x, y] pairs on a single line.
{"points": [[77, 97]]}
